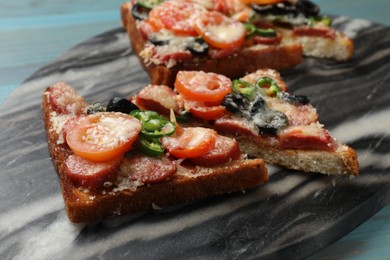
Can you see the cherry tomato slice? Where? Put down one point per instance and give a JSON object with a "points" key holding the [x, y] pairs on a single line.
{"points": [[219, 30], [175, 16], [202, 86], [193, 142], [103, 136]]}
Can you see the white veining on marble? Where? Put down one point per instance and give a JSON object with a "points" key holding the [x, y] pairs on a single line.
{"points": [[369, 158], [14, 219], [63, 231], [372, 123], [352, 27]]}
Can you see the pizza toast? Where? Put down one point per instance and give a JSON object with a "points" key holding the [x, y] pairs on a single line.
{"points": [[164, 50], [297, 21], [105, 169], [258, 111]]}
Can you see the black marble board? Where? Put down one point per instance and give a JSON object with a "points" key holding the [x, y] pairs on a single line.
{"points": [[291, 217]]}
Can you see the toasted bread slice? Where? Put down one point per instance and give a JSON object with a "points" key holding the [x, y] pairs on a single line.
{"points": [[240, 62], [125, 195], [278, 126]]}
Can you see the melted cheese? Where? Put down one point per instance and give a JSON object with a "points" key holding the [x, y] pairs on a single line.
{"points": [[226, 33], [110, 131], [57, 123]]}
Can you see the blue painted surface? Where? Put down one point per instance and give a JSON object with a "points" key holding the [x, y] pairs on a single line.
{"points": [[33, 33]]}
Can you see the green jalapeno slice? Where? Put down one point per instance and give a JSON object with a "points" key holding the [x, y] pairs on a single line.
{"points": [[149, 4], [245, 88], [273, 88], [144, 115], [311, 21], [154, 125], [158, 127], [252, 29], [150, 146]]}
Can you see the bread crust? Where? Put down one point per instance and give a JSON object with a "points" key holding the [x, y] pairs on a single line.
{"points": [[190, 183], [342, 161], [340, 47], [261, 56]]}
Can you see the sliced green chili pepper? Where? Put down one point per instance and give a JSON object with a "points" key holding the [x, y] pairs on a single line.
{"points": [[144, 115], [252, 29], [150, 146], [245, 88], [149, 4], [311, 21], [154, 125], [157, 127], [326, 20], [267, 81], [266, 32]]}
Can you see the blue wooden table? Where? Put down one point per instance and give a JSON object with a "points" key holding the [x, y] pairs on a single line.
{"points": [[32, 33]]}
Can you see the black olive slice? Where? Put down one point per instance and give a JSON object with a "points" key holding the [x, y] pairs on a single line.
{"points": [[294, 99], [123, 105], [139, 12], [308, 8], [235, 102], [276, 9], [270, 121], [305, 7], [198, 46]]}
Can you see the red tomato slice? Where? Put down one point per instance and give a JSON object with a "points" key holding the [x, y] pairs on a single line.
{"points": [[223, 151], [90, 174], [219, 30], [202, 86], [103, 136], [175, 16], [193, 142]]}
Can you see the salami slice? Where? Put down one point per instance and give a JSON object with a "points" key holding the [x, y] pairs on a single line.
{"points": [[90, 174], [148, 170], [65, 100], [158, 98]]}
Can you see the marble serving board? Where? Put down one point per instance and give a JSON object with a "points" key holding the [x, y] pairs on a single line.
{"points": [[291, 217]]}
